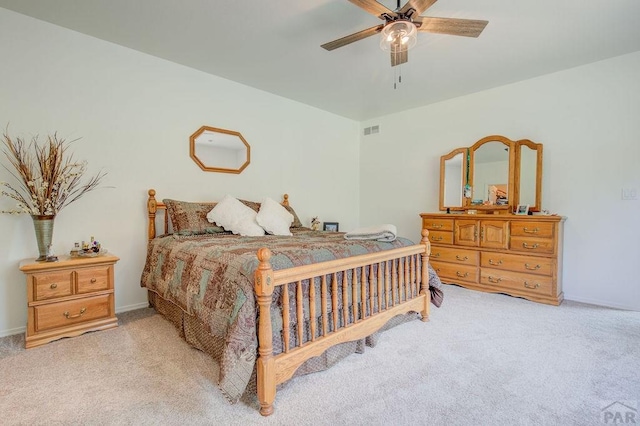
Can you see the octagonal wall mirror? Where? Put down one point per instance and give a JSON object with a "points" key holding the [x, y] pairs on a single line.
{"points": [[219, 150]]}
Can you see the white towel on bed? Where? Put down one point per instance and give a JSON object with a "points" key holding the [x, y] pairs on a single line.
{"points": [[386, 233]]}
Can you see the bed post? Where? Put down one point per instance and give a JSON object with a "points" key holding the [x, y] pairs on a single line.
{"points": [[266, 361], [152, 206], [424, 287], [285, 200]]}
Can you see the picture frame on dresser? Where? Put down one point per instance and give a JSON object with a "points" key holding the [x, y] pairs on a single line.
{"points": [[330, 226], [522, 209]]}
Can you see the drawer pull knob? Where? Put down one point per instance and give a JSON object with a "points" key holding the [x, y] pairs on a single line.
{"points": [[527, 246], [436, 254], [529, 267], [532, 286], [434, 238], [82, 311], [434, 226], [462, 259], [494, 280], [491, 262], [461, 275], [54, 285], [530, 231], [93, 280]]}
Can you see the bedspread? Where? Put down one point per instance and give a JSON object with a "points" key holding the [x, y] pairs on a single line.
{"points": [[211, 277]]}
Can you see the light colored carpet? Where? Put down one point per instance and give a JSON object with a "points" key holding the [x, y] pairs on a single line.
{"points": [[482, 359]]}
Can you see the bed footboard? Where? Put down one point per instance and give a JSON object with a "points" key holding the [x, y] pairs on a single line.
{"points": [[358, 295]]}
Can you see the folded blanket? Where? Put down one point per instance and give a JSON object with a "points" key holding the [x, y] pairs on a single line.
{"points": [[386, 233]]}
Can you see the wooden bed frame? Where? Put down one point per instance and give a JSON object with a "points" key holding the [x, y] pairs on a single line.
{"points": [[402, 288]]}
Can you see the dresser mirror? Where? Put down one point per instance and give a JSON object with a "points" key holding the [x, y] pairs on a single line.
{"points": [[493, 175], [490, 173], [453, 167], [528, 174], [219, 150]]}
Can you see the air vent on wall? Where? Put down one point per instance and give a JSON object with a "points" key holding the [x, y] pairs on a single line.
{"points": [[371, 130]]}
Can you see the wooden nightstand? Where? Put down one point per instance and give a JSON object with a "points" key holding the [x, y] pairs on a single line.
{"points": [[68, 297]]}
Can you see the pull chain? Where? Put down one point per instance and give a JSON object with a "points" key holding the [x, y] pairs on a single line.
{"points": [[397, 74]]}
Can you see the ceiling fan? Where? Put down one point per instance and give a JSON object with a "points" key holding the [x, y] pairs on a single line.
{"points": [[401, 26]]}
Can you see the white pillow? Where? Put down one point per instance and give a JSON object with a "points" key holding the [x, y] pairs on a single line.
{"points": [[274, 218], [234, 216]]}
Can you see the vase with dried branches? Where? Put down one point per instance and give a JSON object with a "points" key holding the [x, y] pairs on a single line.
{"points": [[48, 179]]}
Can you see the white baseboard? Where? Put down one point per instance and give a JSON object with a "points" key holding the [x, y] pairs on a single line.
{"points": [[12, 331], [132, 307], [603, 303]]}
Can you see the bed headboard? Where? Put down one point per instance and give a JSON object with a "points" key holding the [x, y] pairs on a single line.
{"points": [[153, 206]]}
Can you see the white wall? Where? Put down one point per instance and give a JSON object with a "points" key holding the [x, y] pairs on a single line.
{"points": [[588, 120], [134, 114]]}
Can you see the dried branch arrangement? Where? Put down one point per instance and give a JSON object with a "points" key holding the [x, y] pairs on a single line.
{"points": [[48, 177]]}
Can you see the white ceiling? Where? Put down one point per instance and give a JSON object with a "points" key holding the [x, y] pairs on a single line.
{"points": [[275, 45]]}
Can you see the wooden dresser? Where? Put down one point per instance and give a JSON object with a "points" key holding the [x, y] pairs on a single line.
{"points": [[69, 297], [517, 255]]}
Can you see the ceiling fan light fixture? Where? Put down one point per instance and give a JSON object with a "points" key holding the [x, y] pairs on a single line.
{"points": [[398, 35]]}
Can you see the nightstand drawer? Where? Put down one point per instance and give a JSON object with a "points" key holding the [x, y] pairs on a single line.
{"points": [[93, 279], [72, 312], [52, 285]]}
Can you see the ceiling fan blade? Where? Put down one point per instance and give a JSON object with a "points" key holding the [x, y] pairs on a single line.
{"points": [[399, 56], [418, 5], [353, 37], [451, 26], [373, 7]]}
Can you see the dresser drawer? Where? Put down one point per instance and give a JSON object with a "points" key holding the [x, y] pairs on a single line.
{"points": [[72, 312], [532, 229], [511, 262], [441, 237], [52, 285], [454, 255], [438, 224], [93, 279], [514, 281], [450, 272], [532, 245]]}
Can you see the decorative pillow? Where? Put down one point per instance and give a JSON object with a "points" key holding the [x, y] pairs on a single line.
{"points": [[274, 218], [236, 217], [256, 207], [190, 218]]}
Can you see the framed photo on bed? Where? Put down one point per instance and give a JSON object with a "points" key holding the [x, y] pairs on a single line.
{"points": [[522, 209], [330, 226]]}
